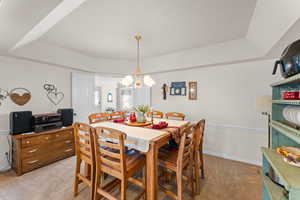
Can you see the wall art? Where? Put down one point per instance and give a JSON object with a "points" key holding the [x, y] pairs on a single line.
{"points": [[178, 88], [20, 96], [193, 90], [3, 95], [164, 91], [53, 95]]}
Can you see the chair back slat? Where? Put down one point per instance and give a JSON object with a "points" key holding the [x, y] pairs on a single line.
{"points": [[175, 115], [156, 114], [117, 114], [98, 117], [84, 141], [109, 145], [110, 151], [185, 146], [110, 154]]}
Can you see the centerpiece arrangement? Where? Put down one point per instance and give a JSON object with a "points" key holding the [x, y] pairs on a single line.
{"points": [[141, 113], [139, 117]]}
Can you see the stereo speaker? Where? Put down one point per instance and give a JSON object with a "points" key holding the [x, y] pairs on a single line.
{"points": [[20, 122], [67, 116]]}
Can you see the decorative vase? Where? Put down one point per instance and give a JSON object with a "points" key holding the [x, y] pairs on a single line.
{"points": [[141, 118]]}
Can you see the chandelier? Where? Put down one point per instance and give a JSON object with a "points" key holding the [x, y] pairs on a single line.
{"points": [[137, 79]]}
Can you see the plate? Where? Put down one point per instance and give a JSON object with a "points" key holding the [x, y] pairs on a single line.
{"points": [[291, 163], [137, 124]]}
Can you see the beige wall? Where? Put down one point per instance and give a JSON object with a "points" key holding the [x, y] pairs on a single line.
{"points": [[18, 73], [226, 99]]}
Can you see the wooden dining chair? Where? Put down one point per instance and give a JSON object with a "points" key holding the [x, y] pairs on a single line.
{"points": [[175, 115], [117, 114], [84, 148], [178, 161], [198, 163], [156, 114], [98, 117], [112, 159]]}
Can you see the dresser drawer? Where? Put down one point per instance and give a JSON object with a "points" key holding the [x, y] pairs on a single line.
{"points": [[31, 141], [31, 163], [64, 135], [33, 151], [61, 153]]}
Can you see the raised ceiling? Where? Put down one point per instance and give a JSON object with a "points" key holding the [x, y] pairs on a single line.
{"points": [[105, 28], [97, 35]]}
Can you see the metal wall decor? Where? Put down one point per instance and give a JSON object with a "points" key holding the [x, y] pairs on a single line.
{"points": [[178, 88], [193, 90], [20, 96], [53, 95], [164, 91], [3, 95]]}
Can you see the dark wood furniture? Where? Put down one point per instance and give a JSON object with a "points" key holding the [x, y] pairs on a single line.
{"points": [[34, 150], [112, 159], [84, 147]]}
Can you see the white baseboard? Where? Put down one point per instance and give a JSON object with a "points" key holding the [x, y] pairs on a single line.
{"points": [[230, 157]]}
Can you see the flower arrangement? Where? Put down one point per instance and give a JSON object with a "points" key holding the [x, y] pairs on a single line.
{"points": [[141, 111], [142, 108]]}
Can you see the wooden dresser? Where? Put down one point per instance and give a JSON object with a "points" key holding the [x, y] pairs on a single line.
{"points": [[34, 150]]}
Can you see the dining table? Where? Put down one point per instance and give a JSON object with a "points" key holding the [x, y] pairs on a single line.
{"points": [[148, 141]]}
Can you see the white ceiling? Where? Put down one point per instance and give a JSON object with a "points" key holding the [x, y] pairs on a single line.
{"points": [[97, 35], [105, 28], [17, 17]]}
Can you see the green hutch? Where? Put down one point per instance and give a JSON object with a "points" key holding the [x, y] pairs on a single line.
{"points": [[282, 134]]}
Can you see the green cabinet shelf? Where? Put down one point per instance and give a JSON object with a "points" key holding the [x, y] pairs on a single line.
{"points": [[288, 174], [274, 191], [291, 80], [287, 177], [286, 130], [287, 102]]}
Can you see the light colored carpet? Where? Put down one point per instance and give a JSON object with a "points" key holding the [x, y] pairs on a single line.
{"points": [[225, 179]]}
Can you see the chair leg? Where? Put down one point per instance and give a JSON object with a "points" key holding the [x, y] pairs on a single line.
{"points": [[98, 179], [202, 163], [77, 171], [145, 182], [93, 186], [197, 171], [191, 170], [123, 189], [179, 185]]}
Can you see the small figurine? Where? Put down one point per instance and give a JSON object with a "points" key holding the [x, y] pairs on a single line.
{"points": [[164, 88]]}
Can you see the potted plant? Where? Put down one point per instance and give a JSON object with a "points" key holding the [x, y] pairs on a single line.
{"points": [[141, 113]]}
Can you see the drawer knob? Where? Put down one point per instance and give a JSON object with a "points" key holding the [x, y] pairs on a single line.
{"points": [[32, 162], [68, 150], [32, 151], [27, 142]]}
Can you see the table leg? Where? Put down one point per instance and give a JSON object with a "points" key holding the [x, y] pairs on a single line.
{"points": [[151, 156]]}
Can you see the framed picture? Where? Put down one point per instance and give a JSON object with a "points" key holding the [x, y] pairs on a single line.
{"points": [[178, 88], [193, 90]]}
